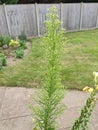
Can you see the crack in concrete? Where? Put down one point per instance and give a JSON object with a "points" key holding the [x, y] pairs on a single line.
{"points": [[15, 117]]}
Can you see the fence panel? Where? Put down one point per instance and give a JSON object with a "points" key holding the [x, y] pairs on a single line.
{"points": [[3, 23], [22, 19], [15, 19], [71, 16], [42, 10], [89, 15]]}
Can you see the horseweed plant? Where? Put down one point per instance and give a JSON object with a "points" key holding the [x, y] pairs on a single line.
{"points": [[82, 122], [52, 92]]}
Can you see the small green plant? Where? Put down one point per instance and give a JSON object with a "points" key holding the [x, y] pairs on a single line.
{"points": [[3, 60], [23, 44], [19, 53], [4, 41], [14, 43], [52, 92], [82, 122], [22, 36]]}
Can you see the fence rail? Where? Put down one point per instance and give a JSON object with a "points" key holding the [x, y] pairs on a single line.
{"points": [[15, 19]]}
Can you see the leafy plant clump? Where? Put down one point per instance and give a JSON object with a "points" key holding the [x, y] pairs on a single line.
{"points": [[14, 43], [23, 44], [52, 92], [19, 53], [4, 41]]}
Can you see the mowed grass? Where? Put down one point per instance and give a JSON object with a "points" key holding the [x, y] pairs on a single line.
{"points": [[79, 62]]}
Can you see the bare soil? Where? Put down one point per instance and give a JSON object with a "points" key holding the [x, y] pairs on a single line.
{"points": [[11, 60]]}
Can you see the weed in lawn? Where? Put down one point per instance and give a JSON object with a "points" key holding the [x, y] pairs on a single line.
{"points": [[52, 92]]}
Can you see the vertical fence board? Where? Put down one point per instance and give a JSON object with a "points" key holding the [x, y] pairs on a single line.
{"points": [[71, 16], [89, 15], [3, 23]]}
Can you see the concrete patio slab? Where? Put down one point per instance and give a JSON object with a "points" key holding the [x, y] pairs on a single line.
{"points": [[15, 114], [21, 123], [2, 92], [14, 104]]}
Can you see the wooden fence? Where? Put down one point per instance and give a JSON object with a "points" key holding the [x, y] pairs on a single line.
{"points": [[15, 19]]}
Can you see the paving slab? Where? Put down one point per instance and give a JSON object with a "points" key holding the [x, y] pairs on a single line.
{"points": [[15, 103], [2, 93], [15, 114], [21, 123], [74, 98]]}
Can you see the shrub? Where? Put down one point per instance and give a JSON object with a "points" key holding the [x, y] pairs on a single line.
{"points": [[19, 53], [49, 101]]}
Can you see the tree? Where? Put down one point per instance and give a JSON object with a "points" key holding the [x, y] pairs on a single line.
{"points": [[9, 1]]}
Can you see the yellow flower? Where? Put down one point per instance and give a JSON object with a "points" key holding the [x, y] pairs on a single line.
{"points": [[90, 90], [86, 89], [14, 43], [97, 87]]}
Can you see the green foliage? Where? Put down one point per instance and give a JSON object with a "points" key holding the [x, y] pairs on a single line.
{"points": [[14, 43], [9, 1], [82, 122], [19, 53], [4, 40], [23, 44], [49, 101], [3, 61], [22, 36]]}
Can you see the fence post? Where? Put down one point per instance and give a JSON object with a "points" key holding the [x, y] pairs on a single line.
{"points": [[37, 19], [96, 17], [7, 21], [61, 11], [81, 12]]}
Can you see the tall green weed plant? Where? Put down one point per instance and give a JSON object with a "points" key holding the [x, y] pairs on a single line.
{"points": [[49, 99]]}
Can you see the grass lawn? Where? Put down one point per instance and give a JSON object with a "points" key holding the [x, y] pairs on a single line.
{"points": [[79, 62]]}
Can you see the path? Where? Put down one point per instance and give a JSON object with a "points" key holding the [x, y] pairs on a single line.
{"points": [[15, 115]]}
